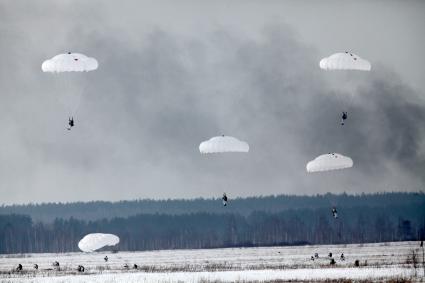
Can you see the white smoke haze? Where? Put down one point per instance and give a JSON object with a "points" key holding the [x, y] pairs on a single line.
{"points": [[165, 84]]}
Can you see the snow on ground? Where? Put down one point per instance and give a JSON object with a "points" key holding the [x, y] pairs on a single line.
{"points": [[230, 276], [384, 260]]}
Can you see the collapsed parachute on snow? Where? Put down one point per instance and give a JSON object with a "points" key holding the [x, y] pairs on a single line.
{"points": [[345, 61], [328, 162], [223, 144], [69, 62], [95, 241]]}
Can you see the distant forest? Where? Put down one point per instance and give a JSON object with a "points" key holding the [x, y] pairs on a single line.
{"points": [[205, 223], [95, 210]]}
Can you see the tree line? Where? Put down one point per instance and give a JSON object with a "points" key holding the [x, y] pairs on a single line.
{"points": [[95, 210], [355, 224]]}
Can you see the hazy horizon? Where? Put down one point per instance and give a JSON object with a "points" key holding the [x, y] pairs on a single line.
{"points": [[218, 197]]}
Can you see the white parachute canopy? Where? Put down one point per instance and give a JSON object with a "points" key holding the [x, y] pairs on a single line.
{"points": [[222, 144], [344, 61], [95, 241], [330, 161], [68, 79], [69, 62]]}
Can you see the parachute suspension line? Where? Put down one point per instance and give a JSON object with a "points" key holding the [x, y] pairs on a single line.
{"points": [[68, 93], [63, 92], [341, 102], [350, 99], [79, 98], [223, 145], [71, 96], [67, 67], [348, 102], [345, 61], [332, 201], [351, 93], [344, 102]]}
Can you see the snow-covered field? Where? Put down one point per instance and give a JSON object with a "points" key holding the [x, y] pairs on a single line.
{"points": [[378, 262]]}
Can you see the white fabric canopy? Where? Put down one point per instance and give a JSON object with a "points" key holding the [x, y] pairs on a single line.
{"points": [[222, 144], [69, 62], [345, 61], [328, 162], [95, 241]]}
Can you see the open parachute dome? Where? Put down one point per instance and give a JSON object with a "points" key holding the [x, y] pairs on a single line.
{"points": [[344, 61], [223, 144], [328, 162], [95, 241], [69, 62]]}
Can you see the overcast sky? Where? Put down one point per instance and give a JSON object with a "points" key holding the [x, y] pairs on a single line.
{"points": [[174, 73]]}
